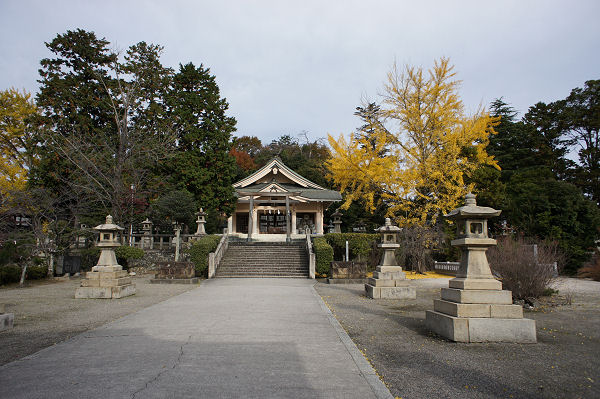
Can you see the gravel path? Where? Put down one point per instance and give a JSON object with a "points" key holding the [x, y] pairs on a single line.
{"points": [[414, 363], [47, 312]]}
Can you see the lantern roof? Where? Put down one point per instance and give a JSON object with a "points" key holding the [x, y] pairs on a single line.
{"points": [[388, 227], [337, 213], [201, 213], [108, 226], [472, 210]]}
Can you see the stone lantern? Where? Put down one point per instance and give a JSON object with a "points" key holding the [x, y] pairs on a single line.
{"points": [[389, 281], [201, 220], [107, 279], [147, 238], [474, 308], [337, 221]]}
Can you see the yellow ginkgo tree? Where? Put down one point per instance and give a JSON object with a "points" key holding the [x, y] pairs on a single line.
{"points": [[16, 109], [415, 148]]}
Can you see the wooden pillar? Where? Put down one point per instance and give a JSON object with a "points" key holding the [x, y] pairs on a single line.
{"points": [[251, 218], [288, 228]]}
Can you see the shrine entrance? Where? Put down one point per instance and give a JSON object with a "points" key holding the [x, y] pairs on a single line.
{"points": [[272, 222]]}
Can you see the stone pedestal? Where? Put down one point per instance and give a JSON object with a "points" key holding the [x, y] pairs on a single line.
{"points": [[106, 282], [389, 282], [6, 319], [474, 308], [479, 311]]}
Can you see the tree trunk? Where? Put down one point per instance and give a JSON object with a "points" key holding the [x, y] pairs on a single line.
{"points": [[23, 272]]}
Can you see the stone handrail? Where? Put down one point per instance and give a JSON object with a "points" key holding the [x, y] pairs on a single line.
{"points": [[312, 259], [214, 258], [450, 268]]}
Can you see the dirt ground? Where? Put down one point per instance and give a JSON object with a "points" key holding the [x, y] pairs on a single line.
{"points": [[414, 363], [46, 312]]}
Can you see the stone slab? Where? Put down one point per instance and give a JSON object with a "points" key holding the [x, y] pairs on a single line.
{"points": [[461, 309], [113, 275], [474, 329], [386, 269], [475, 284], [7, 321], [502, 330], [123, 291], [506, 311], [90, 283], [193, 280], [390, 292], [114, 268], [2, 308], [389, 275], [93, 293], [378, 282], [501, 297], [115, 282], [452, 328]]}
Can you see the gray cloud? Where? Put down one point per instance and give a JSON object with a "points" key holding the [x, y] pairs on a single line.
{"points": [[290, 66]]}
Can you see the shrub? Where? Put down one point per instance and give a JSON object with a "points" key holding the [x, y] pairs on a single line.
{"points": [[521, 270], [592, 269], [10, 274], [199, 251], [360, 244], [124, 253], [89, 257], [323, 255], [36, 272]]}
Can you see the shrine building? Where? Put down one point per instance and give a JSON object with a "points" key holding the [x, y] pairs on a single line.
{"points": [[273, 192]]}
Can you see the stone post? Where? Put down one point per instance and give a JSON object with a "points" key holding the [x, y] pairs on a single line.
{"points": [[177, 227], [288, 227], [389, 281], [107, 279], [474, 308]]}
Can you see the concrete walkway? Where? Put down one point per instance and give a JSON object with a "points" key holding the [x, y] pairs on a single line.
{"points": [[229, 338]]}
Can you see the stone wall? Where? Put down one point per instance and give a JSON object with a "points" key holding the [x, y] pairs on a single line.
{"points": [[149, 263]]}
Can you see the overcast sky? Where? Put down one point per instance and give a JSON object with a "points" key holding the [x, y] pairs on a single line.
{"points": [[292, 66]]}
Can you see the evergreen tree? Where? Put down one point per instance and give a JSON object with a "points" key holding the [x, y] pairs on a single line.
{"points": [[202, 163]]}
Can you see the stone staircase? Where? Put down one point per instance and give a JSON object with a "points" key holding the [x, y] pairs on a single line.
{"points": [[264, 259]]}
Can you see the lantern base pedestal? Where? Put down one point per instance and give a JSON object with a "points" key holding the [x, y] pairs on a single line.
{"points": [[389, 282], [105, 282], [481, 329]]}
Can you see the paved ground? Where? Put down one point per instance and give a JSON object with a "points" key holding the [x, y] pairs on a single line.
{"points": [[414, 363], [228, 338], [46, 312]]}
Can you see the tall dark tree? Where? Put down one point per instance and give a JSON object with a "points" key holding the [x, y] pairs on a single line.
{"points": [[202, 163], [580, 113], [102, 127]]}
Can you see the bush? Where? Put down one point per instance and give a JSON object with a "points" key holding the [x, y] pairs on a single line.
{"points": [[89, 257], [199, 251], [124, 253], [10, 274], [36, 272], [323, 255], [360, 244], [592, 269], [521, 271]]}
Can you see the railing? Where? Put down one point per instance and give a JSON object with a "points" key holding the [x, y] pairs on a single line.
{"points": [[450, 268], [214, 258], [154, 241], [312, 259]]}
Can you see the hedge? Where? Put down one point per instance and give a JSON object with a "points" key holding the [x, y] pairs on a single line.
{"points": [[12, 273], [324, 256], [199, 251], [360, 244]]}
